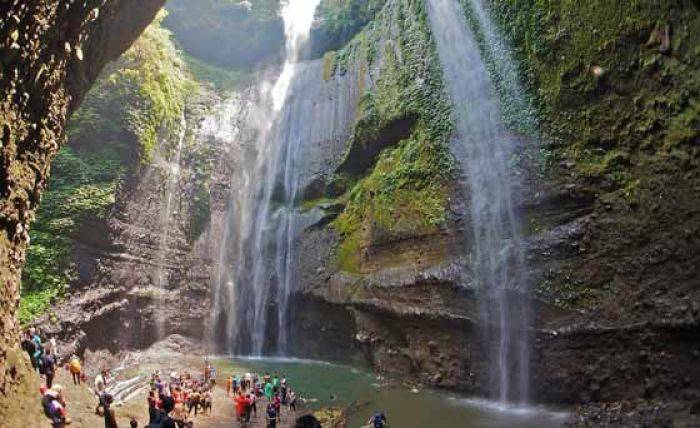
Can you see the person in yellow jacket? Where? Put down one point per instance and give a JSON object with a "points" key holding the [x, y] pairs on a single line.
{"points": [[75, 369]]}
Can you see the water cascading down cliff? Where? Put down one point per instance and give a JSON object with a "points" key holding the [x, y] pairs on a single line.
{"points": [[484, 147], [256, 268]]}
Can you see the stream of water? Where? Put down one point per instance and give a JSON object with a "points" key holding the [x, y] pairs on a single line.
{"points": [[484, 148], [171, 168], [252, 291]]}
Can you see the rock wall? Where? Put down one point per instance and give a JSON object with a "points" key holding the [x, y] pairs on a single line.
{"points": [[615, 229], [149, 273], [612, 201], [609, 193], [387, 248], [50, 54]]}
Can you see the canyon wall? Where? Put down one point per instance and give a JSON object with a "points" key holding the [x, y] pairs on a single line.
{"points": [[50, 56], [607, 184]]}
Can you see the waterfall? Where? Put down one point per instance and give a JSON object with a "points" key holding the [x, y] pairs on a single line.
{"points": [[256, 274], [171, 169], [484, 147]]}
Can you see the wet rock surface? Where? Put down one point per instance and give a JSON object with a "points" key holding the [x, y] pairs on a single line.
{"points": [[149, 276]]}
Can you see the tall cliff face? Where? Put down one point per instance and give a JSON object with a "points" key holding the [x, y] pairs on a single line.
{"points": [[126, 239], [609, 190], [50, 54], [615, 229], [388, 253]]}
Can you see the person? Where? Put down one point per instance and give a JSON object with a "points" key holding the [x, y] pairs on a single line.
{"points": [[378, 420], [292, 400], [159, 384], [30, 348], [268, 391], [163, 419], [241, 403], [266, 378], [49, 363], [101, 380], [248, 407], [234, 384], [75, 369], [110, 417], [55, 407], [194, 401], [276, 384], [229, 384], [271, 416], [212, 374], [100, 389], [179, 414], [39, 349], [53, 347], [253, 406], [248, 380], [307, 421], [206, 402], [152, 406], [278, 406], [207, 373]]}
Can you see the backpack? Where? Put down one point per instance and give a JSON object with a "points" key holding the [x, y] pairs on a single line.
{"points": [[47, 363], [50, 409], [75, 366]]}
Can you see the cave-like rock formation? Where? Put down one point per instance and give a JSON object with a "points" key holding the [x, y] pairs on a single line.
{"points": [[50, 53]]}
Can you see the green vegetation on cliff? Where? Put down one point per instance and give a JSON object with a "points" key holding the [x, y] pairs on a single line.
{"points": [[83, 189], [617, 86], [136, 98], [405, 191], [338, 21], [617, 81]]}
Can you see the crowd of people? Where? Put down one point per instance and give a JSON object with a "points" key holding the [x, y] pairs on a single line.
{"points": [[249, 388], [177, 398], [45, 359], [43, 354], [173, 400]]}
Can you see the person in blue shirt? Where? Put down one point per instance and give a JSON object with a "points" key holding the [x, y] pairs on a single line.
{"points": [[271, 416]]}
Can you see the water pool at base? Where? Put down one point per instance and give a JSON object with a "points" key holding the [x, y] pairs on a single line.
{"points": [[326, 384]]}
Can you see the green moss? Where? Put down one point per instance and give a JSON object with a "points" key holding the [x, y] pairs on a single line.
{"points": [[603, 83], [143, 93], [328, 65], [569, 295], [616, 87], [223, 80], [405, 193], [339, 21], [83, 188]]}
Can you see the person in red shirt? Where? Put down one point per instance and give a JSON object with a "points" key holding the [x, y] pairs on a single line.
{"points": [[241, 404]]}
